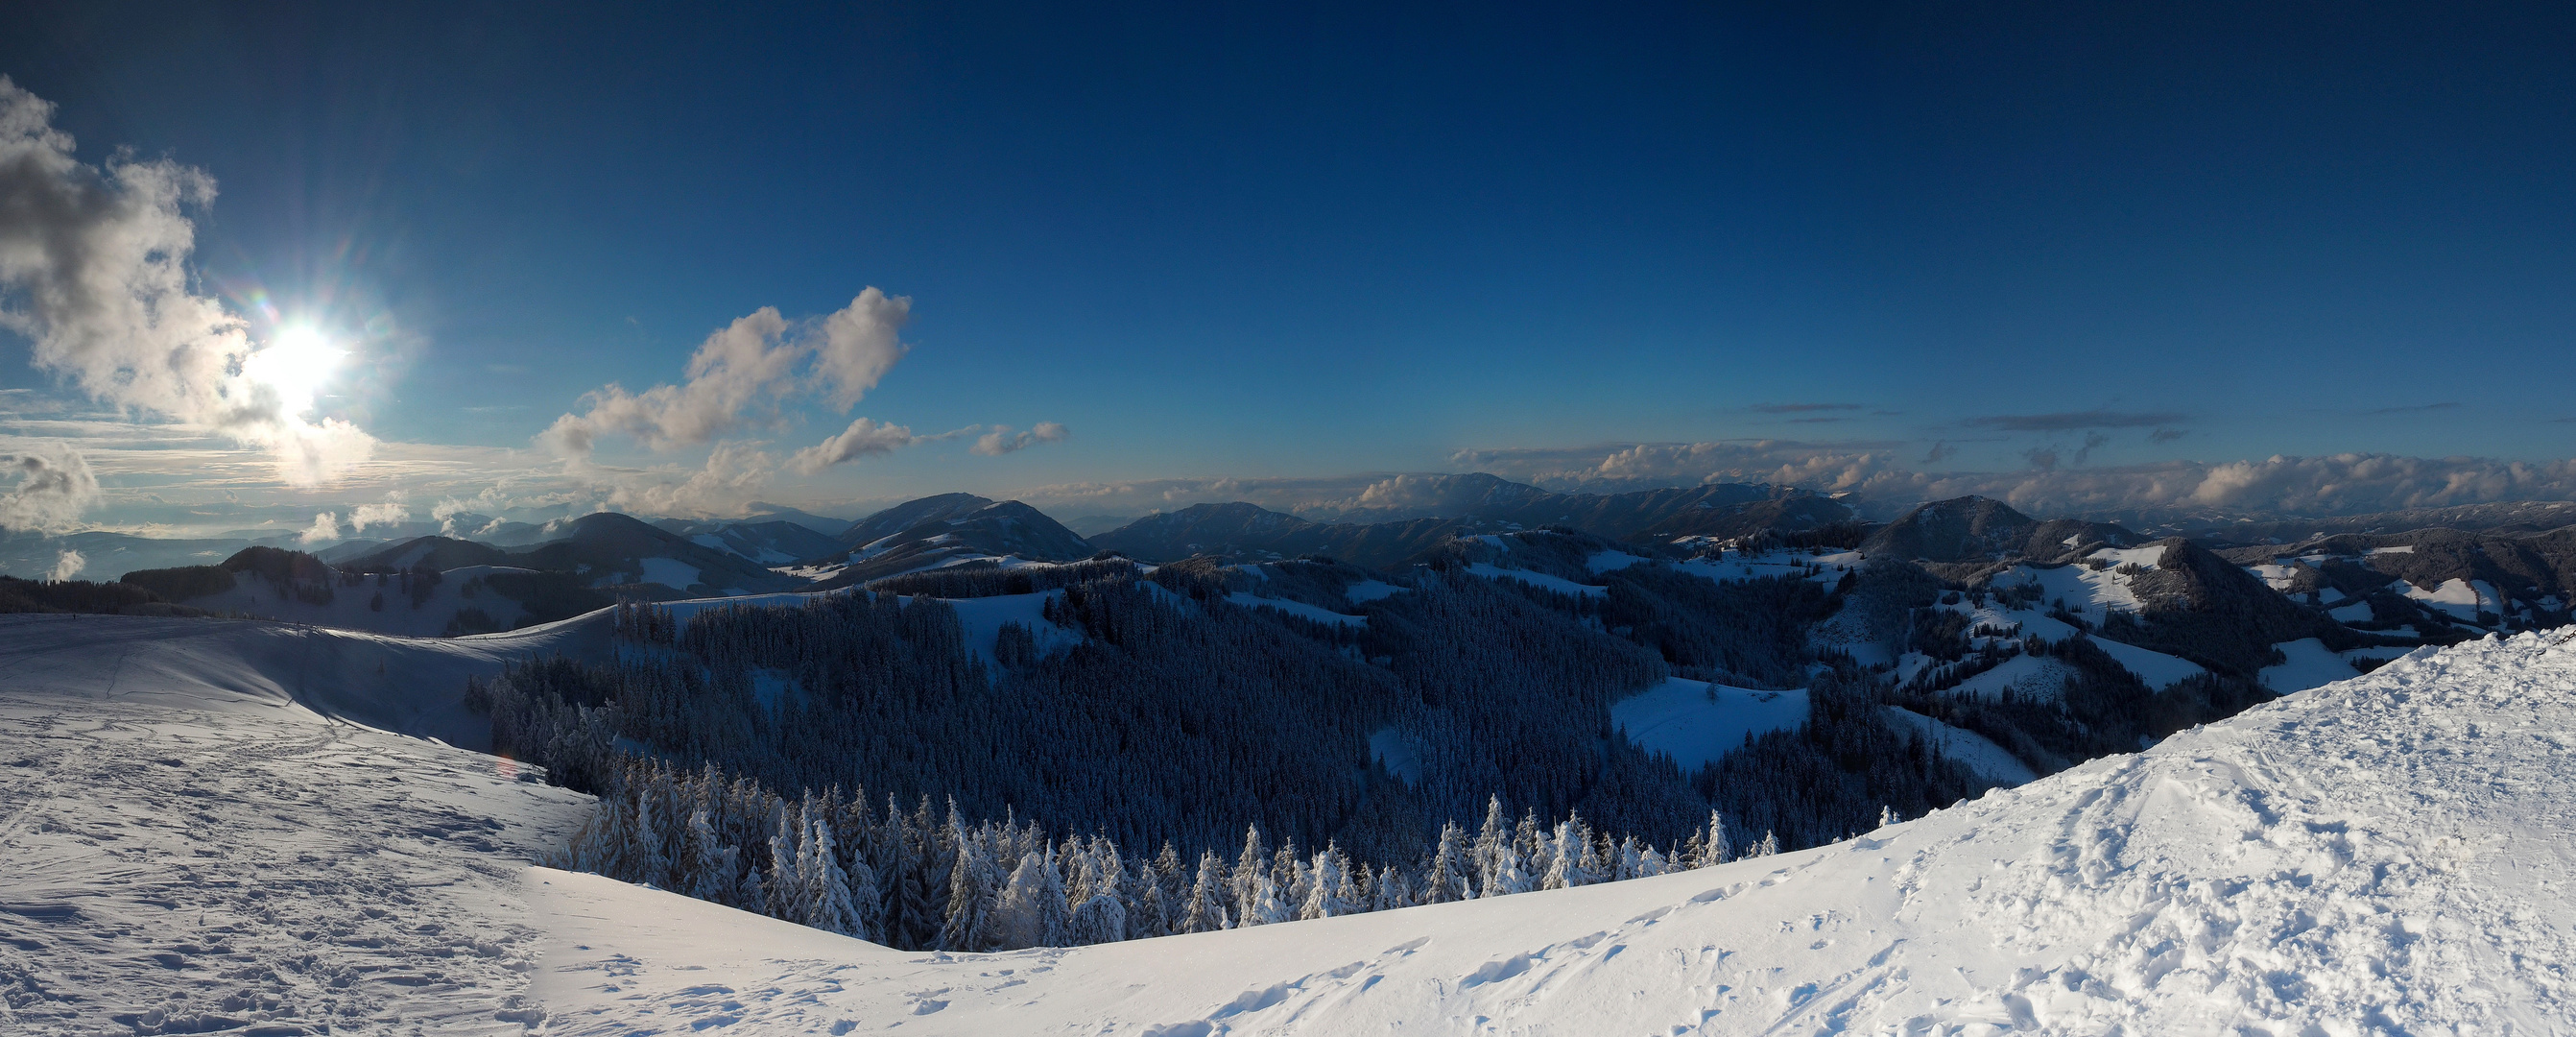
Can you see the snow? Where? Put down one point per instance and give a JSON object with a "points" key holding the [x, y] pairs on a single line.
{"points": [[1543, 581], [1298, 609], [2155, 668], [2356, 612], [982, 619], [670, 572], [1369, 590], [187, 845], [2310, 664], [2403, 549], [2088, 592], [2385, 856], [2144, 557], [2277, 576], [1401, 757], [1609, 560], [1738, 565], [2455, 596], [1696, 722], [1975, 751], [2030, 676]]}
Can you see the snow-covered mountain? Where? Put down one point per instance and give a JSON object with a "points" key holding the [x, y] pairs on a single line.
{"points": [[772, 542], [197, 843], [948, 529]]}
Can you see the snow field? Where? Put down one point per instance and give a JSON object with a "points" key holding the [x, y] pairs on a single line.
{"points": [[1696, 722], [2385, 855], [1977, 752], [1298, 609], [1540, 580]]}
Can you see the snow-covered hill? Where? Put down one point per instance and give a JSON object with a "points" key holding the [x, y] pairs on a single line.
{"points": [[2386, 855], [191, 842]]}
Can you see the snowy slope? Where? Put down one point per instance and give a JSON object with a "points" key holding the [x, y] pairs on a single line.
{"points": [[2388, 854], [1696, 722], [186, 847]]}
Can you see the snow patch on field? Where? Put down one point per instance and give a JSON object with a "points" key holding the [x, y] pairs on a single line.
{"points": [[1369, 590], [1607, 561], [2357, 612], [1972, 750], [1397, 753], [1543, 581], [1298, 609], [981, 619], [670, 572], [2309, 664], [2155, 668], [1696, 722], [2457, 597], [1763, 565]]}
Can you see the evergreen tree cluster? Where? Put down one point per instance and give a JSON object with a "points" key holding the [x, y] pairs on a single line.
{"points": [[926, 879]]}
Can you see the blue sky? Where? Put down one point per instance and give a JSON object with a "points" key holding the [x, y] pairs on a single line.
{"points": [[1322, 240]]}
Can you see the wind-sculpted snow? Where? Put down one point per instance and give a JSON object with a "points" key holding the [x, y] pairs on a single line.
{"points": [[2390, 854], [185, 849]]}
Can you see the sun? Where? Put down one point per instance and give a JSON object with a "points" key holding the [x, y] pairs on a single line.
{"points": [[295, 364]]}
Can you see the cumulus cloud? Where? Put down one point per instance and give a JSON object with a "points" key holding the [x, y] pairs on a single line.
{"points": [[67, 566], [55, 485], [2071, 421], [858, 345], [865, 437], [734, 473], [325, 528], [387, 513], [95, 264], [742, 374], [1003, 441]]}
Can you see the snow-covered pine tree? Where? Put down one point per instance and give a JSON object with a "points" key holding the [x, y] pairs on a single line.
{"points": [[1446, 874], [1493, 843], [1203, 910], [1714, 848], [1328, 887], [1031, 912], [829, 904], [1253, 865]]}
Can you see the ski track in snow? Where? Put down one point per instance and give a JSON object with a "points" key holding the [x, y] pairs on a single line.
{"points": [[2387, 854]]}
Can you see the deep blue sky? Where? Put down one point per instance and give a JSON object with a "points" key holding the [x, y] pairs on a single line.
{"points": [[1216, 239]]}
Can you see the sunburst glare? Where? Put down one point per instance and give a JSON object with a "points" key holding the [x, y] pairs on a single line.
{"points": [[295, 364]]}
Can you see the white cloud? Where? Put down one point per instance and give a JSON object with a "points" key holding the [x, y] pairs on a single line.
{"points": [[387, 513], [865, 437], [95, 259], [734, 474], [859, 345], [325, 528], [742, 375], [1003, 441], [67, 566], [55, 485]]}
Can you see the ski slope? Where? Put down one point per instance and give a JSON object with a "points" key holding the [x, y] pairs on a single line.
{"points": [[2385, 855]]}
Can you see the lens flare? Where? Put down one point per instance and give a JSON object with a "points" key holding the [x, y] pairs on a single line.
{"points": [[295, 365]]}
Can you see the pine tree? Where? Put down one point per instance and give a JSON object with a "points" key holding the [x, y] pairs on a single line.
{"points": [[1445, 877], [1329, 890], [1204, 909], [1251, 867], [1493, 846], [1031, 912], [829, 904]]}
